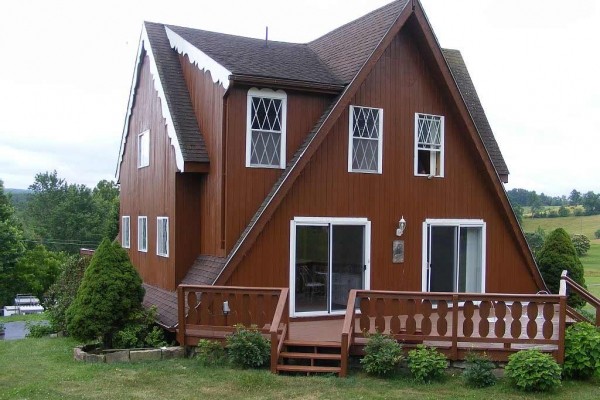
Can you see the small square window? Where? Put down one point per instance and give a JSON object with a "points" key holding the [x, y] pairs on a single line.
{"points": [[125, 230], [365, 139], [144, 149], [266, 121], [429, 145], [143, 234], [162, 236]]}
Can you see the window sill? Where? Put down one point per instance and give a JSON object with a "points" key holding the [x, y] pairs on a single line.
{"points": [[163, 255], [429, 176], [143, 166], [360, 171], [265, 166]]}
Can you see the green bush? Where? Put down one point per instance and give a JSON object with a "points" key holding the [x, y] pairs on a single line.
{"points": [[140, 331], [210, 352], [582, 351], [478, 373], [558, 254], [247, 347], [426, 364], [532, 370], [581, 244], [382, 354], [563, 211], [578, 212], [111, 290], [597, 234], [38, 330], [2, 327], [62, 293]]}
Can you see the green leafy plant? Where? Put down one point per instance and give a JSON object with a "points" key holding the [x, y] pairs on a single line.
{"points": [[558, 254], [140, 331], [111, 290], [597, 234], [382, 354], [532, 370], [581, 244], [426, 364], [247, 347], [210, 352], [478, 373], [582, 351], [38, 330]]}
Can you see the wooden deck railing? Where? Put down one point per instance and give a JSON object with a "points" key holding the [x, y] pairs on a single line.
{"points": [[201, 313], [569, 285], [452, 319]]}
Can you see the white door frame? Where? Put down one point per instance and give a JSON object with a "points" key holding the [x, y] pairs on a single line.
{"points": [[479, 223], [326, 221]]}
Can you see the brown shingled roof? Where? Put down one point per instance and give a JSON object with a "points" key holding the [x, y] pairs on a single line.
{"points": [[177, 96], [165, 302]]}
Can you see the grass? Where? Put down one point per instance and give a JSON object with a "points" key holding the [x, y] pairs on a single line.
{"points": [[585, 225], [24, 317], [45, 369]]}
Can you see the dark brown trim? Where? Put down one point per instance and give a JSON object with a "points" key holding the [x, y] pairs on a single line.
{"points": [[472, 129], [287, 84], [198, 167], [255, 229], [504, 178]]}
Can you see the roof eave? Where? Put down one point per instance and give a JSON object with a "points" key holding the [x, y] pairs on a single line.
{"points": [[319, 87]]}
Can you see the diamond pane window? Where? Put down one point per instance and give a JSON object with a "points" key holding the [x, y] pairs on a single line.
{"points": [[366, 138], [265, 142], [429, 145]]}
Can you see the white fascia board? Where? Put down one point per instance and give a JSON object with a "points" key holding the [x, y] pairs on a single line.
{"points": [[145, 44], [219, 73]]}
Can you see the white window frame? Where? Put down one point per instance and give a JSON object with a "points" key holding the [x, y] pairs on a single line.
{"points": [[125, 231], [416, 149], [312, 221], [474, 223], [267, 94], [158, 237], [351, 141], [143, 239], [143, 153]]}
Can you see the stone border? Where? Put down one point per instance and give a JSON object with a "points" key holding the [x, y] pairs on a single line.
{"points": [[128, 355]]}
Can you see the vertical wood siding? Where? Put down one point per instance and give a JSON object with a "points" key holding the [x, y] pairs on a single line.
{"points": [[149, 191], [207, 100], [246, 188], [402, 84]]}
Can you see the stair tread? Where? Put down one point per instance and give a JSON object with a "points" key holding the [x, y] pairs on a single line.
{"points": [[307, 368], [309, 343], [320, 356]]}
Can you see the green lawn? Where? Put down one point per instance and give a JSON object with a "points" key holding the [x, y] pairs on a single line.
{"points": [[26, 317], [574, 225], [44, 369]]}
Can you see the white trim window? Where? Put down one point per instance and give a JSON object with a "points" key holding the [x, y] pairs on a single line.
{"points": [[365, 143], [429, 145], [266, 128], [143, 149], [162, 236], [143, 234], [125, 231], [454, 254]]}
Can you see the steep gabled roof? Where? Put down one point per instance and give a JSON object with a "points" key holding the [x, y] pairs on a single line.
{"points": [[457, 79], [254, 57], [469, 94], [182, 126]]}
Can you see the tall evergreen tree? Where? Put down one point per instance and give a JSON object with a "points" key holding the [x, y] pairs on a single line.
{"points": [[11, 249]]}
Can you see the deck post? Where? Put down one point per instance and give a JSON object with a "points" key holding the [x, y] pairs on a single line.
{"points": [[562, 317], [181, 316], [454, 350]]}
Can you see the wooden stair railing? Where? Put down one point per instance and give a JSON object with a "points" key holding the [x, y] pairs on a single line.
{"points": [[567, 283]]}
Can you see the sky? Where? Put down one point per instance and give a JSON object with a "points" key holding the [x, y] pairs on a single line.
{"points": [[66, 68]]}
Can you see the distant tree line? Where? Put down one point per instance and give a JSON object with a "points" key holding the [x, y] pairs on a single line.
{"points": [[41, 227], [576, 203]]}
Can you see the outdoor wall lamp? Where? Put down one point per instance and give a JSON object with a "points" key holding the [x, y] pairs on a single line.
{"points": [[226, 309], [401, 226]]}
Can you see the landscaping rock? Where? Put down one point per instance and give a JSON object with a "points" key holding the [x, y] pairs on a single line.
{"points": [[145, 355], [172, 352], [79, 354], [117, 356], [498, 372], [95, 358]]}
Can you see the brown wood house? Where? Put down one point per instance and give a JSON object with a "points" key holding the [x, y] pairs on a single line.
{"points": [[360, 160]]}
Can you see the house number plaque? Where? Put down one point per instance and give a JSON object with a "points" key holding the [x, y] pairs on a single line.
{"points": [[398, 252]]}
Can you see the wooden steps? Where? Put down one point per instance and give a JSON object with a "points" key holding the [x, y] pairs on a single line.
{"points": [[310, 357]]}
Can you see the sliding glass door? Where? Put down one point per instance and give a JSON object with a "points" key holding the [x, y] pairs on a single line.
{"points": [[454, 256], [329, 257]]}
